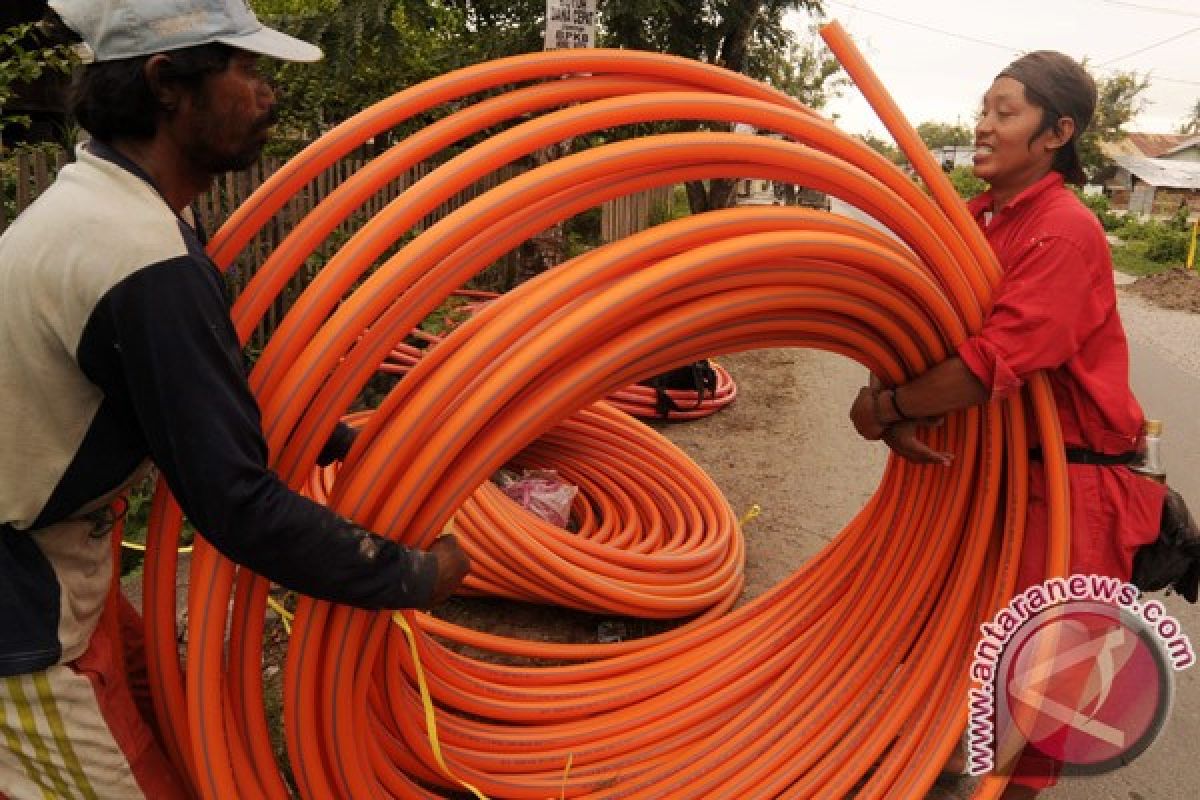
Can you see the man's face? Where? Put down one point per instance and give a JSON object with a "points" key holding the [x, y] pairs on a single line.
{"points": [[225, 124]]}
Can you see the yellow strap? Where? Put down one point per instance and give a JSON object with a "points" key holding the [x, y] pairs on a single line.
{"points": [[141, 548], [427, 702], [750, 515], [285, 616], [566, 774]]}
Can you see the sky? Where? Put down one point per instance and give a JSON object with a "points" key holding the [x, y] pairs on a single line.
{"points": [[937, 57]]}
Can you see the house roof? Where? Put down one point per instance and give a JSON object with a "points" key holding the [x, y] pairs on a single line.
{"points": [[1153, 145], [1163, 171], [1192, 141]]}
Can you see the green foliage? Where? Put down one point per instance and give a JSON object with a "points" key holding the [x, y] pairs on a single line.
{"points": [[1130, 258], [446, 317], [137, 523], [24, 58], [885, 148], [943, 134], [1119, 99], [1099, 205], [965, 182], [676, 207], [374, 48], [801, 68], [1149, 245], [1181, 221], [1134, 229], [582, 232], [1191, 123], [1166, 245]]}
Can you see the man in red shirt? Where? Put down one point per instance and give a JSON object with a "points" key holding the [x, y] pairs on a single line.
{"points": [[1054, 310]]}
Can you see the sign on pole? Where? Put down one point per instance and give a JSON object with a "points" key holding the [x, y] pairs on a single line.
{"points": [[570, 23]]}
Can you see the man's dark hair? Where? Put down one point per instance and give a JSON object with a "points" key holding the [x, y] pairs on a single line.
{"points": [[1060, 87], [112, 100]]}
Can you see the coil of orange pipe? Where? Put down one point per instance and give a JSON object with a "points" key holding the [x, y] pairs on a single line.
{"points": [[638, 399], [654, 539], [851, 673], [642, 401]]}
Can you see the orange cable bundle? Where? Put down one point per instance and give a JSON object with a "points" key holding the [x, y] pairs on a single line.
{"points": [[655, 537], [644, 401], [637, 399], [852, 673]]}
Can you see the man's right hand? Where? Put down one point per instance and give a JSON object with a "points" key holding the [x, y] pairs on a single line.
{"points": [[452, 566]]}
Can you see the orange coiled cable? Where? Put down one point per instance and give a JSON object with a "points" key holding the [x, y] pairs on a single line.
{"points": [[656, 538], [823, 682]]}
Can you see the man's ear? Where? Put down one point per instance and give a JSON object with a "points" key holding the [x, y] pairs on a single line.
{"points": [[167, 93], [1061, 133]]}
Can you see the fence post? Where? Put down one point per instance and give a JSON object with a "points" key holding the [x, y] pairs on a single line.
{"points": [[1191, 259]]}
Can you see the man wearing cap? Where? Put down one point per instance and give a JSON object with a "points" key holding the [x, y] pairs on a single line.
{"points": [[118, 349]]}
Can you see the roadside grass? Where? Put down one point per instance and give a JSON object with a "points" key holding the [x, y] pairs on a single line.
{"points": [[1130, 257]]}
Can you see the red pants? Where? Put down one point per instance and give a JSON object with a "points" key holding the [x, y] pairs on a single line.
{"points": [[1113, 512]]}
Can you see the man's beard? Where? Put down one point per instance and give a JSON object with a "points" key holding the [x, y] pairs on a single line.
{"points": [[217, 162]]}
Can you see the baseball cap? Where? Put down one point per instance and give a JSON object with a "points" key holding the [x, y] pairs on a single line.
{"points": [[116, 29]]}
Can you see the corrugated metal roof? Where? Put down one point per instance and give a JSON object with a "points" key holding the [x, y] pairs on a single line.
{"points": [[1163, 171], [1121, 147], [1179, 148], [1153, 145]]}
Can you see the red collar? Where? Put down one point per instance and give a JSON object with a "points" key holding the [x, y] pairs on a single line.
{"points": [[1051, 180]]}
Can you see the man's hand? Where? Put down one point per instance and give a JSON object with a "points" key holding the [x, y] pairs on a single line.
{"points": [[865, 414], [903, 441], [452, 566]]}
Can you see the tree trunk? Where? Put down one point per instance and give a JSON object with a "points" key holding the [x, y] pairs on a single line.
{"points": [[735, 43], [548, 248]]}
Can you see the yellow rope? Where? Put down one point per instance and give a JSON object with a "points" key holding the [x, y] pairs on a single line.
{"points": [[141, 548], [285, 616], [750, 515], [427, 702]]}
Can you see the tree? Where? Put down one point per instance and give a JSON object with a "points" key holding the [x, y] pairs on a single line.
{"points": [[376, 47], [965, 183], [884, 148], [1191, 123], [943, 134], [25, 57], [1118, 100], [746, 36]]}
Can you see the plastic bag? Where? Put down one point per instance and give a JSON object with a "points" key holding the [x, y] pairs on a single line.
{"points": [[541, 492]]}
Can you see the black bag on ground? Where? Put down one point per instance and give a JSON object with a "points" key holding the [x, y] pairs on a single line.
{"points": [[1174, 558], [699, 377]]}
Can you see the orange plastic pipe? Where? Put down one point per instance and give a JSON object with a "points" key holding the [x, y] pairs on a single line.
{"points": [[840, 676]]}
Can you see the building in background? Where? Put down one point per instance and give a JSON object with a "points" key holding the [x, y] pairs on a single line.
{"points": [[1156, 174]]}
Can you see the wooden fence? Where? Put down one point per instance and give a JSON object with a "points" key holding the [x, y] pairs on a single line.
{"points": [[27, 174]]}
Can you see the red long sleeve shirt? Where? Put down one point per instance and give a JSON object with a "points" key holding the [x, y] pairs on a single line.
{"points": [[1056, 310]]}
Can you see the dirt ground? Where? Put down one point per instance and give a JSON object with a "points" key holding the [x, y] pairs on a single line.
{"points": [[1176, 289]]}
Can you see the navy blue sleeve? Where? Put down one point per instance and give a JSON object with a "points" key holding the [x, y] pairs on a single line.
{"points": [[162, 338]]}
